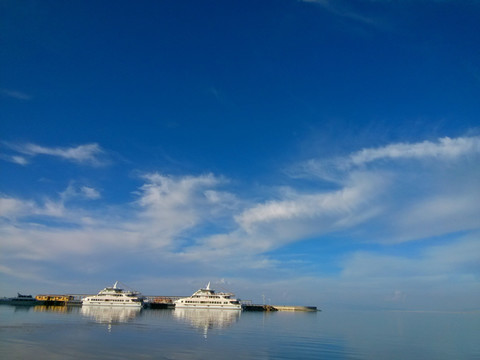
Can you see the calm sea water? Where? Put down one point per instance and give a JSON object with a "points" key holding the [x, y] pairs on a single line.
{"points": [[74, 332]]}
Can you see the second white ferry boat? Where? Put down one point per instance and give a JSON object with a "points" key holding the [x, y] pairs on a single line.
{"points": [[114, 296], [209, 299]]}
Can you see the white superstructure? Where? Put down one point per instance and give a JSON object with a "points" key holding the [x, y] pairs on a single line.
{"points": [[209, 299], [114, 296]]}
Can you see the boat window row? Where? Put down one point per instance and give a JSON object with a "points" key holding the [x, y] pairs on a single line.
{"points": [[204, 302], [54, 297], [115, 300]]}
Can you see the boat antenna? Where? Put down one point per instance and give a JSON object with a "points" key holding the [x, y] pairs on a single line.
{"points": [[115, 285], [208, 286], [125, 286]]}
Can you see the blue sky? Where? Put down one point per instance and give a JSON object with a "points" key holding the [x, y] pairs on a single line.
{"points": [[316, 152]]}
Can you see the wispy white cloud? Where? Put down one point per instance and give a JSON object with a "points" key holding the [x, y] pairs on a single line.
{"points": [[89, 154], [90, 193], [11, 207], [430, 188], [14, 208], [28, 272], [444, 148], [170, 206], [325, 209], [76, 191], [16, 159], [435, 266], [165, 209], [261, 228], [439, 214], [43, 243], [15, 94], [340, 9]]}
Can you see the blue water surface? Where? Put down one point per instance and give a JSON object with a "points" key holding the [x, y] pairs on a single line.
{"points": [[42, 332]]}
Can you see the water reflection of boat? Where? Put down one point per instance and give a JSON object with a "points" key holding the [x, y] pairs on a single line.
{"points": [[207, 319], [110, 315], [55, 308]]}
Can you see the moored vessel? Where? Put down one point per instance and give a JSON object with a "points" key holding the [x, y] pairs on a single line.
{"points": [[114, 296], [21, 300], [207, 298], [50, 299]]}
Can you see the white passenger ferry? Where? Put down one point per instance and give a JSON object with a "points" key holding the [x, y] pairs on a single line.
{"points": [[114, 296], [209, 299]]}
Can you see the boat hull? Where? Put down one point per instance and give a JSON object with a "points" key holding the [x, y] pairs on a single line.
{"points": [[216, 307], [113, 304], [24, 303]]}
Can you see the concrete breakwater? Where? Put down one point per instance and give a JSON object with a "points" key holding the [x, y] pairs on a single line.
{"points": [[295, 308], [278, 308], [250, 307]]}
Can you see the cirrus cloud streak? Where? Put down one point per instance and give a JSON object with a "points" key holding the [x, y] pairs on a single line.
{"points": [[87, 154]]}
